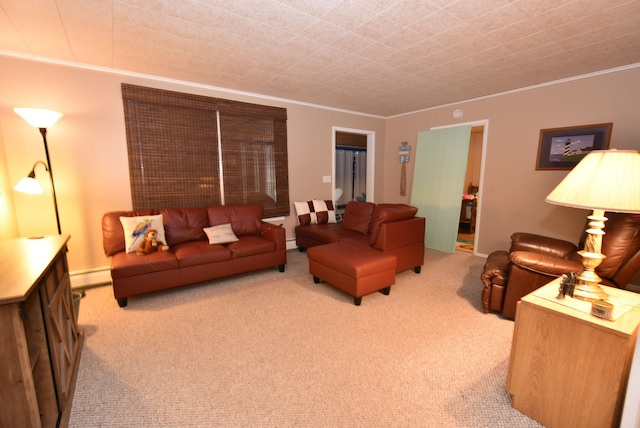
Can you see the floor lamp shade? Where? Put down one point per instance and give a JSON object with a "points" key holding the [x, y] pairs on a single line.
{"points": [[38, 118], [29, 186], [604, 180]]}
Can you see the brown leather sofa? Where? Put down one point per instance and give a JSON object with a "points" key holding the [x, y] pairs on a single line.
{"points": [[534, 260], [392, 229], [190, 258]]}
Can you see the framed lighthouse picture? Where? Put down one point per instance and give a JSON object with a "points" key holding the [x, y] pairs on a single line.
{"points": [[563, 148]]}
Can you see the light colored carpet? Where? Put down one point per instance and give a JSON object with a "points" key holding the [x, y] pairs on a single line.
{"points": [[271, 349]]}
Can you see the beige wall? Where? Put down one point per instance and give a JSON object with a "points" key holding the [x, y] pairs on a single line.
{"points": [[89, 153], [8, 225], [89, 158], [513, 192]]}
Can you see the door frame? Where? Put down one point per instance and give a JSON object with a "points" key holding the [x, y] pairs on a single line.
{"points": [[371, 155], [485, 124]]}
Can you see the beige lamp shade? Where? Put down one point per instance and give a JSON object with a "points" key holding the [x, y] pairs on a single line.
{"points": [[607, 180], [39, 118]]}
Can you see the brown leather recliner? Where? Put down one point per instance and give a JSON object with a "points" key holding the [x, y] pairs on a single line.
{"points": [[534, 260]]}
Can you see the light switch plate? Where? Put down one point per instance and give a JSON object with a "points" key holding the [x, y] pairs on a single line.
{"points": [[326, 179]]}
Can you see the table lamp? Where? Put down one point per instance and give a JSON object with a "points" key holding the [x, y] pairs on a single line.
{"points": [[604, 180]]}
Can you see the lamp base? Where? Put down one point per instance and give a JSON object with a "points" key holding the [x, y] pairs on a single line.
{"points": [[589, 292], [587, 287]]}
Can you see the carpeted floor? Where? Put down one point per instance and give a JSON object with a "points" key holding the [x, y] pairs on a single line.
{"points": [[271, 349]]}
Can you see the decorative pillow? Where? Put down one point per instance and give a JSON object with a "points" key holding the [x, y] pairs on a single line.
{"points": [[315, 212], [135, 228], [325, 212], [305, 213], [221, 234]]}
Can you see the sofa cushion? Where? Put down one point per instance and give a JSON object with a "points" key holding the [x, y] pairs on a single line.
{"points": [[251, 245], [221, 234], [357, 216], [386, 213], [327, 233], [185, 224], [112, 231], [195, 253], [244, 219], [135, 228], [124, 265]]}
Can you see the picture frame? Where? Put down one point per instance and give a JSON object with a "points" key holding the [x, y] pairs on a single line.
{"points": [[563, 148]]}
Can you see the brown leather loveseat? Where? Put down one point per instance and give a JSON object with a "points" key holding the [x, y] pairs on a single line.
{"points": [[191, 258], [392, 229], [534, 260]]}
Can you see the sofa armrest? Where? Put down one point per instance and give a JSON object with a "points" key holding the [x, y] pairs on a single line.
{"points": [[521, 241], [544, 263], [274, 233], [401, 233]]}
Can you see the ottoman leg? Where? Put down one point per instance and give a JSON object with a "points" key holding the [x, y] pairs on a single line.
{"points": [[316, 280], [357, 300], [385, 290]]}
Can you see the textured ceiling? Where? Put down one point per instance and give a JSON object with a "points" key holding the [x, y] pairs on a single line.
{"points": [[382, 57]]}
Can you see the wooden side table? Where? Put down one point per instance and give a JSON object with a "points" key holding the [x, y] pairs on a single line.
{"points": [[569, 368]]}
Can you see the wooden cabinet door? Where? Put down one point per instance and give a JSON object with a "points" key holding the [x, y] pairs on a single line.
{"points": [[62, 329]]}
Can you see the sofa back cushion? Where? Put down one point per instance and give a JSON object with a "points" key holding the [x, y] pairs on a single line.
{"points": [[244, 219], [357, 216], [113, 232], [184, 224], [386, 213]]}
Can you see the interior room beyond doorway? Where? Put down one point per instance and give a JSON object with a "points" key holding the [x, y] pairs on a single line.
{"points": [[350, 168], [468, 206]]}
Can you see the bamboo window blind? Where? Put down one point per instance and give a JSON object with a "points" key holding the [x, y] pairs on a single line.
{"points": [[193, 151]]}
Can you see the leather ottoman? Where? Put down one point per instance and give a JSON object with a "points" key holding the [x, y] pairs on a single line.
{"points": [[352, 267]]}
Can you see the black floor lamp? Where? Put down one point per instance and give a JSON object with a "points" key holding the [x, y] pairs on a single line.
{"points": [[41, 119]]}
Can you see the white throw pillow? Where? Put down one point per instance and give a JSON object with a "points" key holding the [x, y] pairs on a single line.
{"points": [[221, 234], [135, 228]]}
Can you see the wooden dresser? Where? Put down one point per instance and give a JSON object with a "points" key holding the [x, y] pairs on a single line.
{"points": [[40, 342]]}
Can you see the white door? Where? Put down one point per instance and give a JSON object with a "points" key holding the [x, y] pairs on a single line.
{"points": [[438, 183]]}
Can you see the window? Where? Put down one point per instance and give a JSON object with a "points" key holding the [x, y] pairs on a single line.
{"points": [[194, 151]]}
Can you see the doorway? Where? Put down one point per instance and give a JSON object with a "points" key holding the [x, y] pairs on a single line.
{"points": [[351, 168], [346, 136], [439, 182]]}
